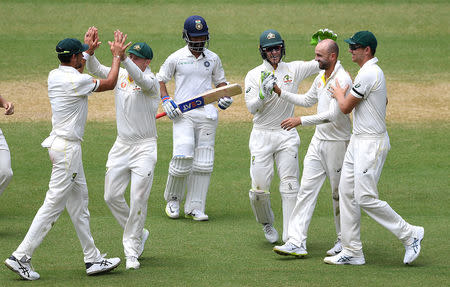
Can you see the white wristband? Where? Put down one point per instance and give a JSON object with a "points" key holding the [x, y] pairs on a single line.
{"points": [[86, 56]]}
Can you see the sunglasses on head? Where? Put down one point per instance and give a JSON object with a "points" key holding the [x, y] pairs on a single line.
{"points": [[273, 48], [355, 46]]}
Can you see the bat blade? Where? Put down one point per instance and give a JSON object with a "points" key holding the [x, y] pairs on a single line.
{"points": [[207, 98]]}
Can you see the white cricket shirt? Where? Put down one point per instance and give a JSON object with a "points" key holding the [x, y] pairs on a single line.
{"points": [[68, 91], [136, 99], [192, 75], [332, 123], [370, 86], [269, 113]]}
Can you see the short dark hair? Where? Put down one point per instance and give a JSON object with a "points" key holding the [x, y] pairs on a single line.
{"points": [[64, 58], [372, 51]]}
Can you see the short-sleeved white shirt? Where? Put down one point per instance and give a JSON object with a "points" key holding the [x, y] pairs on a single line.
{"points": [[136, 99], [369, 116], [68, 91], [270, 113], [192, 75], [331, 123]]}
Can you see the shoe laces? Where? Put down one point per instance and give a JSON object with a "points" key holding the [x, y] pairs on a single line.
{"points": [[415, 245]]}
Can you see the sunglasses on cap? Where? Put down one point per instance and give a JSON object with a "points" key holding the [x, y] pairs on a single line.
{"points": [[273, 48], [355, 46]]}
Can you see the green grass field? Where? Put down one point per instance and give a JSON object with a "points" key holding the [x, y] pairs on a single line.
{"points": [[230, 249]]}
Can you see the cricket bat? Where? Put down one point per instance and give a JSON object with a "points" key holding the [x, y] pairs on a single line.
{"points": [[207, 98]]}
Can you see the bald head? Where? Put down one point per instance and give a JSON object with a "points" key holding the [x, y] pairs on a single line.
{"points": [[326, 54], [329, 46]]}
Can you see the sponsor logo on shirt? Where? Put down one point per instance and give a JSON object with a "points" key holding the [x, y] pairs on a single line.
{"points": [[123, 85], [207, 64]]}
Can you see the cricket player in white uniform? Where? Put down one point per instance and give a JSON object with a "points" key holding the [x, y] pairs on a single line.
{"points": [[6, 172], [195, 69], [326, 150], [133, 155], [68, 91], [268, 141], [365, 157]]}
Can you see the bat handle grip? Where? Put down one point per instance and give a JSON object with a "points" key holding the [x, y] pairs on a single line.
{"points": [[160, 115]]}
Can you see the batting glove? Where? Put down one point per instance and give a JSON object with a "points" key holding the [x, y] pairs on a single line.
{"points": [[267, 86], [323, 34], [170, 108], [225, 102]]}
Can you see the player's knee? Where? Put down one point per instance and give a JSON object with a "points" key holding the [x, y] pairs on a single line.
{"points": [[204, 159], [289, 185], [180, 166], [365, 200]]}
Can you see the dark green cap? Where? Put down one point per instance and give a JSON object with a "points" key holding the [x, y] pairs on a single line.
{"points": [[363, 38], [270, 38], [70, 46], [142, 50]]}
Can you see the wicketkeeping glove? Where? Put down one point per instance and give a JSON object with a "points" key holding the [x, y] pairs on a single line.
{"points": [[170, 108], [267, 86], [225, 102], [264, 76], [323, 34]]}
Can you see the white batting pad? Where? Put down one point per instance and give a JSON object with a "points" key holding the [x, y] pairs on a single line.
{"points": [[260, 202], [203, 159], [179, 169], [198, 184], [180, 166]]}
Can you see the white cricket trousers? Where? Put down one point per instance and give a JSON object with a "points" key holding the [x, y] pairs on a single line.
{"points": [[67, 188], [133, 162], [6, 172], [323, 158], [280, 147], [361, 171]]}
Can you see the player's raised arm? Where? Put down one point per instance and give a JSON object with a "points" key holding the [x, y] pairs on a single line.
{"points": [[118, 48]]}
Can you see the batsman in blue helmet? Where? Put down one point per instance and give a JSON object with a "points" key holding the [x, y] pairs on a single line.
{"points": [[195, 69]]}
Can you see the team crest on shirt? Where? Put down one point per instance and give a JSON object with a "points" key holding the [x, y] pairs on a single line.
{"points": [[123, 85], [207, 64], [287, 79]]}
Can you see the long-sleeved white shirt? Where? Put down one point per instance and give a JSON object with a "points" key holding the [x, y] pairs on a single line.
{"points": [[331, 123], [136, 99], [68, 92], [269, 113]]}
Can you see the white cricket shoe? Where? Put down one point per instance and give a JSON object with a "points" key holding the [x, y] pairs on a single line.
{"points": [[291, 249], [412, 251], [342, 259], [104, 265], [197, 215], [132, 263], [336, 248], [144, 238], [23, 268], [173, 209], [270, 233]]}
